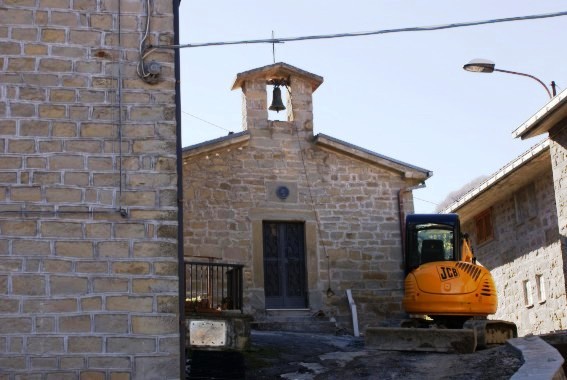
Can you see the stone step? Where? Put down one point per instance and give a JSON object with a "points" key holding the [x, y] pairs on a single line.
{"points": [[299, 325], [294, 320]]}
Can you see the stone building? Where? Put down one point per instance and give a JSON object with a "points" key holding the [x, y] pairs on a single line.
{"points": [[88, 192], [308, 215], [517, 221]]}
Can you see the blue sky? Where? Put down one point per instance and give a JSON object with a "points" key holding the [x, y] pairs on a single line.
{"points": [[403, 95]]}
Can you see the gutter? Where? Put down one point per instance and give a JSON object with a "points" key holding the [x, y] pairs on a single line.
{"points": [[179, 154], [402, 214]]}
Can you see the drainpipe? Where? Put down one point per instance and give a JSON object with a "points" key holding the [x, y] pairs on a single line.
{"points": [[179, 154], [403, 214]]}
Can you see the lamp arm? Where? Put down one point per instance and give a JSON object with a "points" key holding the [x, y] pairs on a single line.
{"points": [[527, 75]]}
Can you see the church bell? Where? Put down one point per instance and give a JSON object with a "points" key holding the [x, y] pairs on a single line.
{"points": [[277, 104]]}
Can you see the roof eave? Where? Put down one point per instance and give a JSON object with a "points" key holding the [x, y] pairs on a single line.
{"points": [[212, 145], [465, 206], [546, 118], [407, 170], [275, 70]]}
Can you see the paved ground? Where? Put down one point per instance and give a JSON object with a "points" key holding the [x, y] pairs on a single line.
{"points": [[302, 356]]}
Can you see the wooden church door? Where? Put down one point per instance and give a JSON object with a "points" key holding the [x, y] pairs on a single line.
{"points": [[285, 278]]}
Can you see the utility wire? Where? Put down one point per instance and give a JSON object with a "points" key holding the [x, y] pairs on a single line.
{"points": [[358, 34], [205, 121]]}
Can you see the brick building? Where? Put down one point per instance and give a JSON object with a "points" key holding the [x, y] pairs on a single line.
{"points": [[308, 215], [88, 192], [517, 221]]}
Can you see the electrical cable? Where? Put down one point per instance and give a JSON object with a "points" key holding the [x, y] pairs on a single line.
{"points": [[143, 50], [330, 291], [205, 121], [369, 33]]}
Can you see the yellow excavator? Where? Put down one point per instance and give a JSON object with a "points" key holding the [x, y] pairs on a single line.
{"points": [[444, 284], [443, 280]]}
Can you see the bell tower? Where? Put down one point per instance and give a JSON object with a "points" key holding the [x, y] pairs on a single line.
{"points": [[298, 84]]}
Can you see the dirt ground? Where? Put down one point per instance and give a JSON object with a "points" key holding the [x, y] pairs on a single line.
{"points": [[277, 355], [303, 356]]}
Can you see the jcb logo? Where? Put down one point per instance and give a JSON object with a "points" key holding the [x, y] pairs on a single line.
{"points": [[447, 273]]}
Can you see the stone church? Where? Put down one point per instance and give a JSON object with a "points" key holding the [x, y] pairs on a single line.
{"points": [[307, 215]]}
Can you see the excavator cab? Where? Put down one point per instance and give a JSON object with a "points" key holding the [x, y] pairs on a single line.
{"points": [[431, 238]]}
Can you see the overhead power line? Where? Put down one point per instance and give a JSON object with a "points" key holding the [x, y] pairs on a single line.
{"points": [[358, 34], [206, 121]]}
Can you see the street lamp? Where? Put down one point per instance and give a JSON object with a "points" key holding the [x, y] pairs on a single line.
{"points": [[485, 66]]}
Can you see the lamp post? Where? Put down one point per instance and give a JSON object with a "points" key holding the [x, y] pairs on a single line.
{"points": [[486, 66]]}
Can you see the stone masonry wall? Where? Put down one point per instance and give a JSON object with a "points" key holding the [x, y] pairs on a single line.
{"points": [[227, 190], [558, 150], [521, 255], [88, 212]]}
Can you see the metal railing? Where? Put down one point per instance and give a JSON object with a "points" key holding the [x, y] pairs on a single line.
{"points": [[213, 286]]}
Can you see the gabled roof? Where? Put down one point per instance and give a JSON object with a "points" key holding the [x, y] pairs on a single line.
{"points": [[328, 142], [550, 115], [408, 171], [278, 70], [500, 185]]}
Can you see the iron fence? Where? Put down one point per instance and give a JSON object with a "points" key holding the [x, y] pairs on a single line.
{"points": [[213, 286]]}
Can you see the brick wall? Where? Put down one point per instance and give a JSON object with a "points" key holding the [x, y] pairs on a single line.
{"points": [[523, 253], [88, 213]]}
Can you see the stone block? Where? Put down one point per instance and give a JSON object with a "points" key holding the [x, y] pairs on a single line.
{"points": [[15, 325], [44, 324], [50, 305], [8, 306], [61, 376], [82, 249], [153, 285], [153, 367], [52, 111], [44, 345], [84, 344], [14, 362], [66, 162], [130, 345], [31, 247], [66, 285], [98, 230], [129, 303], [85, 37], [75, 324], [119, 375], [26, 194], [44, 363], [92, 375], [104, 362], [72, 362], [131, 267], [114, 249], [110, 284], [18, 228], [10, 162], [29, 285], [155, 249], [92, 267], [91, 304], [111, 323], [154, 324], [67, 195]]}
